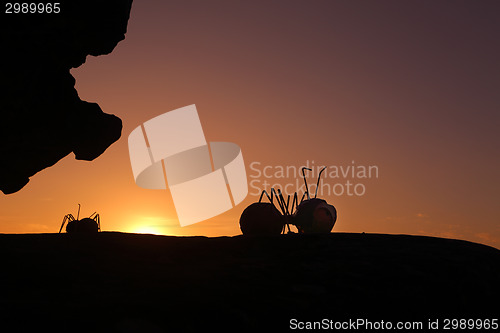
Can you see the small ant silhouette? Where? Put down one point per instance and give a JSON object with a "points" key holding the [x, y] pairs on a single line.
{"points": [[86, 225]]}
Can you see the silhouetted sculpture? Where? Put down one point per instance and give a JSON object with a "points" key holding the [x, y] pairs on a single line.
{"points": [[42, 119], [91, 224], [312, 215]]}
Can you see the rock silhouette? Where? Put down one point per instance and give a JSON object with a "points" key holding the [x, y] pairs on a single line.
{"points": [[42, 118]]}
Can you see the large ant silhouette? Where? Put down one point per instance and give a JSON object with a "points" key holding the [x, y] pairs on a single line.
{"points": [[311, 215]]}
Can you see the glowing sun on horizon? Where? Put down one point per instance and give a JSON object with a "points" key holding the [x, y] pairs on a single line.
{"points": [[154, 225], [146, 229]]}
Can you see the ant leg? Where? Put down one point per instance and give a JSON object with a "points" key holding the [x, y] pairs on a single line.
{"points": [[287, 204], [281, 204], [64, 221], [273, 194], [69, 218], [295, 202], [98, 220], [267, 195], [303, 196]]}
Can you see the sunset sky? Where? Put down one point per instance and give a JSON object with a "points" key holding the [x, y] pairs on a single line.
{"points": [[408, 87]]}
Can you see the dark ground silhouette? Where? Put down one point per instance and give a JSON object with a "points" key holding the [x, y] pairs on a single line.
{"points": [[125, 282], [42, 119]]}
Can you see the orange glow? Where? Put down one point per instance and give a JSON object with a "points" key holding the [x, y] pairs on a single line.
{"points": [[147, 230]]}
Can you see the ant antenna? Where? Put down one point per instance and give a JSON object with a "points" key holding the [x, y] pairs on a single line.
{"points": [[78, 215], [305, 181], [317, 184]]}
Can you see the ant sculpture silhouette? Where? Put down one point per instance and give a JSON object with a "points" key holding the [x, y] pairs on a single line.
{"points": [[86, 225], [312, 215]]}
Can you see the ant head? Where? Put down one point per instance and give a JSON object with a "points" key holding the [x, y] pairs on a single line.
{"points": [[315, 216]]}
